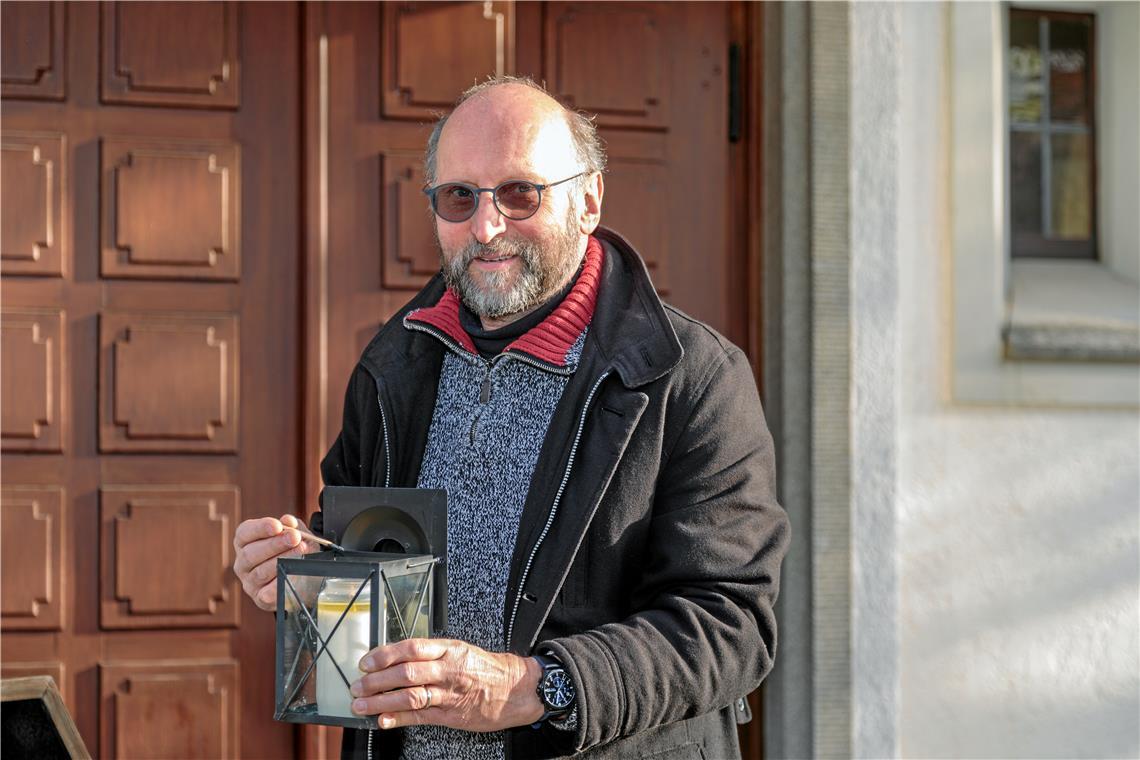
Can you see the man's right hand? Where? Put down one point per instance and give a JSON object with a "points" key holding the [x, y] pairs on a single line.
{"points": [[257, 546]]}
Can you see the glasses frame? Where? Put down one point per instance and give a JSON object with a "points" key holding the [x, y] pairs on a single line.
{"points": [[430, 192]]}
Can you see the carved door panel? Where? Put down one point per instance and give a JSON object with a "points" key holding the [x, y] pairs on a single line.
{"points": [[150, 361]]}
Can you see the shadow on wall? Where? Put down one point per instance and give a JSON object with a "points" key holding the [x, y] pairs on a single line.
{"points": [[1020, 580]]}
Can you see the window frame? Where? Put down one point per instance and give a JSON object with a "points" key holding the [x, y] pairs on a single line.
{"points": [[1040, 245]]}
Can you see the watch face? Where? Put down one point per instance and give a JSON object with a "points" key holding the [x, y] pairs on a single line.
{"points": [[557, 689]]}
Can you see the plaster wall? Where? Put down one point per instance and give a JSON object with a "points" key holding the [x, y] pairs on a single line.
{"points": [[1018, 528]]}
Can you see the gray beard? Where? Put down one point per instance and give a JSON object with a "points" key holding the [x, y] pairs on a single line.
{"points": [[543, 274]]}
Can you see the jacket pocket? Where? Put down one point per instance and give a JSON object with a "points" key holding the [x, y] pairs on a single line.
{"points": [[689, 751], [576, 590]]}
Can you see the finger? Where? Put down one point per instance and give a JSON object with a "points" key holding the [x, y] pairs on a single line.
{"points": [[430, 716], [253, 554], [408, 650], [399, 676], [255, 530], [290, 521], [266, 596], [412, 699], [264, 573]]}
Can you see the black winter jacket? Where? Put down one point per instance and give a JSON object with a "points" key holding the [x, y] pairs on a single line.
{"points": [[649, 548]]}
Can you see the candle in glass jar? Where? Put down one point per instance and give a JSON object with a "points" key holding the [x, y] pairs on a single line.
{"points": [[346, 647]]}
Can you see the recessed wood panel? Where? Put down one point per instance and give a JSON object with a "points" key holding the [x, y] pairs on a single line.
{"points": [[637, 205], [609, 59], [31, 561], [170, 383], [171, 53], [31, 183], [169, 709], [32, 52], [31, 380], [469, 42], [410, 255], [9, 669], [170, 210], [152, 581]]}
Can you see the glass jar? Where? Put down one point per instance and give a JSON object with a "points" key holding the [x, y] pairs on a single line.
{"points": [[347, 645]]}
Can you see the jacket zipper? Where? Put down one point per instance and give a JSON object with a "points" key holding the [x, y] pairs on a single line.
{"points": [[387, 484], [553, 508], [387, 451], [447, 341]]}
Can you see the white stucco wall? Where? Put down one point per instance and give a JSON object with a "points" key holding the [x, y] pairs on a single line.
{"points": [[1018, 532]]}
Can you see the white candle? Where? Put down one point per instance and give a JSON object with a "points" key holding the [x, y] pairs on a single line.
{"points": [[346, 647]]}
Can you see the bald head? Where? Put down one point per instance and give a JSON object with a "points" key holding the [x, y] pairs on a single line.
{"points": [[508, 106]]}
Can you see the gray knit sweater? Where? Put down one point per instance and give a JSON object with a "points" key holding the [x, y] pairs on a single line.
{"points": [[488, 426]]}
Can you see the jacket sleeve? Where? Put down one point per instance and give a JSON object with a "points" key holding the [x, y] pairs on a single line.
{"points": [[704, 633]]}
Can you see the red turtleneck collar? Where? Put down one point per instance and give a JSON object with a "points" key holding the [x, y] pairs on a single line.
{"points": [[551, 339]]}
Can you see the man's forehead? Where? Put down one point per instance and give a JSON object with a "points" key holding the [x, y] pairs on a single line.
{"points": [[503, 133]]}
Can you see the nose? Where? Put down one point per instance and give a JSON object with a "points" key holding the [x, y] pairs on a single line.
{"points": [[487, 223]]}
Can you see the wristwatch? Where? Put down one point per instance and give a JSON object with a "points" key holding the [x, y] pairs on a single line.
{"points": [[555, 690]]}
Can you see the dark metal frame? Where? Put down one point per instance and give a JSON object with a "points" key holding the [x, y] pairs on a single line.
{"points": [[373, 570]]}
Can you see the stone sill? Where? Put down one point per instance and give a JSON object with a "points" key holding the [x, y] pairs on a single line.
{"points": [[1071, 311]]}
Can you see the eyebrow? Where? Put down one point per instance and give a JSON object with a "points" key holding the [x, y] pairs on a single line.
{"points": [[509, 178]]}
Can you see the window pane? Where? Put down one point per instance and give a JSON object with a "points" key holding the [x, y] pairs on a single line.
{"points": [[1069, 70], [1026, 84], [1025, 182], [1071, 212]]}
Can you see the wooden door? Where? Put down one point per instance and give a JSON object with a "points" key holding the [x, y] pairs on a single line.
{"points": [[151, 158], [377, 75], [655, 74]]}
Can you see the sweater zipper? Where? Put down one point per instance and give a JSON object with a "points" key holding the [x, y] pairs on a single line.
{"points": [[487, 365], [447, 341], [553, 508]]}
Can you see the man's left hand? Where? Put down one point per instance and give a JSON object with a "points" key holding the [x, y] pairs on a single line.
{"points": [[448, 683]]}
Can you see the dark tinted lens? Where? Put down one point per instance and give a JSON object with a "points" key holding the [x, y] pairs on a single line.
{"points": [[517, 199], [454, 202]]}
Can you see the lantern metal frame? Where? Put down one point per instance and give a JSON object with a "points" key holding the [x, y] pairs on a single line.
{"points": [[375, 572]]}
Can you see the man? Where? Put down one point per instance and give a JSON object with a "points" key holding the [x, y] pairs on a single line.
{"points": [[613, 532]]}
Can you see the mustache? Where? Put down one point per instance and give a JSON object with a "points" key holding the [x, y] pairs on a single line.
{"points": [[498, 248]]}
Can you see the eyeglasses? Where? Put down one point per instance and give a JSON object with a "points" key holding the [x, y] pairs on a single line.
{"points": [[515, 199]]}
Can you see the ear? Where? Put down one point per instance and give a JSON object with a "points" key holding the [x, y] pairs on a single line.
{"points": [[591, 213]]}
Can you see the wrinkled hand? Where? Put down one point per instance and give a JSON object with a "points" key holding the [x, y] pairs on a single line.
{"points": [[257, 546], [470, 688]]}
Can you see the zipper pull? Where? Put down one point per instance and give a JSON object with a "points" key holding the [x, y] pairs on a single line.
{"points": [[485, 390]]}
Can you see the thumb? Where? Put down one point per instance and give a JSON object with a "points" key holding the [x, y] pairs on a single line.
{"points": [[290, 521]]}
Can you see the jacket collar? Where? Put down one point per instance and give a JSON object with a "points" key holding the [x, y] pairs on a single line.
{"points": [[631, 328]]}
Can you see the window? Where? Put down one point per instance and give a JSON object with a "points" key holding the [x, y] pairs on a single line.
{"points": [[1044, 331], [1052, 166]]}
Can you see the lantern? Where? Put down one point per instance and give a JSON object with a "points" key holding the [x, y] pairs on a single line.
{"points": [[333, 607]]}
